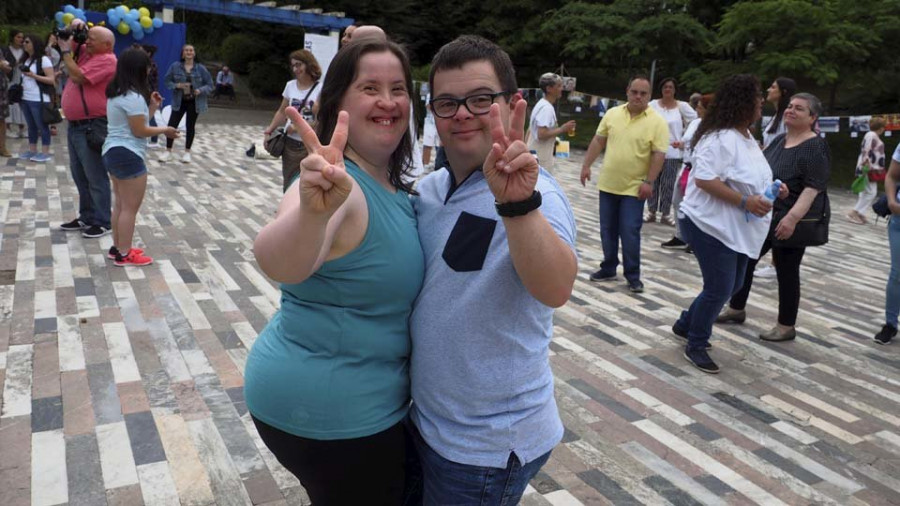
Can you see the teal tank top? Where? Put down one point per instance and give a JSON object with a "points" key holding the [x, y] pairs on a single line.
{"points": [[333, 363]]}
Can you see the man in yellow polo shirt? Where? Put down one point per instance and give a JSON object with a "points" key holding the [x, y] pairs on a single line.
{"points": [[635, 138]]}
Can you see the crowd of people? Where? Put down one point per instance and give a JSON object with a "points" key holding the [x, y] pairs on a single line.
{"points": [[384, 367]]}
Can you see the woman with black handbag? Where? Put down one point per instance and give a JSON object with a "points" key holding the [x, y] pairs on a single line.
{"points": [[301, 93], [38, 78], [892, 291], [801, 160]]}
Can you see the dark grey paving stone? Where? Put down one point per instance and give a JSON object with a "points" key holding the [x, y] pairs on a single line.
{"points": [[145, 443], [227, 420], [229, 340], [236, 395], [746, 408], [594, 331], [884, 360], [44, 325], [613, 405], [664, 366], [569, 436], [703, 431], [84, 287], [175, 322], [556, 348], [105, 398], [786, 465], [608, 487], [714, 484], [544, 484], [188, 276], [833, 452], [46, 414], [43, 261], [673, 494], [162, 219], [816, 340], [29, 193], [83, 469]]}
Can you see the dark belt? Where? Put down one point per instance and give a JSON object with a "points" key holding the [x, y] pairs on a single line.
{"points": [[79, 122]]}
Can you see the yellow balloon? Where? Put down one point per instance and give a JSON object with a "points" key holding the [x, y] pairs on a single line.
{"points": [[146, 22], [145, 13], [126, 8], [68, 17], [123, 28]]}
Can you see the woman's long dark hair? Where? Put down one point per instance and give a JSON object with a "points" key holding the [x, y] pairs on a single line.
{"points": [[38, 47], [788, 87], [341, 74], [734, 106], [131, 75]]}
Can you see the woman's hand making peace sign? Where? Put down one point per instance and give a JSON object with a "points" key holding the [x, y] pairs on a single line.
{"points": [[510, 169], [324, 182]]}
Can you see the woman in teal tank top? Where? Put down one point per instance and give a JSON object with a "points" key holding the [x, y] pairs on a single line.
{"points": [[327, 380]]}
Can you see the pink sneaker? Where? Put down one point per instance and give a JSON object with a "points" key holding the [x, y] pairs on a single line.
{"points": [[113, 251], [133, 258]]}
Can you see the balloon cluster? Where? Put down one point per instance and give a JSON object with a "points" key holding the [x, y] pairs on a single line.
{"points": [[65, 16], [137, 22]]}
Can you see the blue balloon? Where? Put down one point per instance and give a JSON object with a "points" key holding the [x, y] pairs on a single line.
{"points": [[137, 35], [114, 21], [134, 14], [58, 17], [157, 23], [110, 13], [148, 31], [69, 8], [121, 10], [135, 26]]}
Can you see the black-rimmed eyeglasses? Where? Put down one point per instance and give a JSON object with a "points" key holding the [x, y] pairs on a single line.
{"points": [[478, 104]]}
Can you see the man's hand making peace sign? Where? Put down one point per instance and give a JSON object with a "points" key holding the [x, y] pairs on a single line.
{"points": [[510, 169], [324, 182]]}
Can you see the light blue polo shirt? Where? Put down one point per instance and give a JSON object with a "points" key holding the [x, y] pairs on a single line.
{"points": [[481, 380]]}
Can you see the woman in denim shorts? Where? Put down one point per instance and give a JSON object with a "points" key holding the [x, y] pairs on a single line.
{"points": [[129, 107]]}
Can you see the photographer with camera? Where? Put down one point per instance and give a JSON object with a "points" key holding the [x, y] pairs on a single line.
{"points": [[90, 68]]}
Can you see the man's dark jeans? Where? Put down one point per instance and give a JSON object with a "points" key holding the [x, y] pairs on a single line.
{"points": [[91, 179]]}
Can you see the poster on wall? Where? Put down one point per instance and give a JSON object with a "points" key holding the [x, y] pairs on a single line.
{"points": [[892, 121], [568, 83], [829, 124], [323, 47], [859, 123]]}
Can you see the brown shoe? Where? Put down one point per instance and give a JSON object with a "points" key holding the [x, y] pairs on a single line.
{"points": [[776, 335], [5, 153], [854, 217], [732, 316]]}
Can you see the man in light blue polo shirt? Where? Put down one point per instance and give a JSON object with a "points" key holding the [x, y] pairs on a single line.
{"points": [[499, 240]]}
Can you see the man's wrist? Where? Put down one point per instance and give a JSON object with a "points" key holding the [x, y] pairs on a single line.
{"points": [[743, 204]]}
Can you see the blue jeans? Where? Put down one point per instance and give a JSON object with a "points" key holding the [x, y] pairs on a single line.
{"points": [[723, 274], [436, 481], [892, 292], [32, 112], [621, 216], [91, 179]]}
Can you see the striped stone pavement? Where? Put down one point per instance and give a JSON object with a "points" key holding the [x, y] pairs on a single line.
{"points": [[124, 386]]}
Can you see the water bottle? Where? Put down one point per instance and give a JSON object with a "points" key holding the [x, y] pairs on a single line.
{"points": [[770, 194]]}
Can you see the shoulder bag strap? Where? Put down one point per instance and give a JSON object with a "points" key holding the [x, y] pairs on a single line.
{"points": [[308, 93], [83, 102]]}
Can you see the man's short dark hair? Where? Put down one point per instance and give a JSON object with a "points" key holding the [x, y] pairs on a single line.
{"points": [[469, 48], [636, 77]]}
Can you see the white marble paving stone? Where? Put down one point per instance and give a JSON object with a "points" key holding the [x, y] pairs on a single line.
{"points": [[88, 307], [116, 459], [45, 304], [169, 354], [197, 363], [49, 481], [262, 304], [223, 475], [157, 486], [706, 462], [676, 476], [62, 267], [657, 405], [71, 349], [192, 312], [562, 498], [793, 432], [272, 294], [123, 290], [245, 332], [820, 470], [121, 356], [2, 360], [25, 259], [813, 420], [17, 385], [221, 274], [7, 296]]}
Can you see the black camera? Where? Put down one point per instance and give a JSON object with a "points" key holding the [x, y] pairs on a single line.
{"points": [[79, 34], [24, 68]]}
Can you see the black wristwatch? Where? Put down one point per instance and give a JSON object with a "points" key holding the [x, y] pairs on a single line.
{"points": [[520, 208]]}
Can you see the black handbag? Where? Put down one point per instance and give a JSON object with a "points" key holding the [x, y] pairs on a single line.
{"points": [[14, 93], [49, 112], [880, 207], [96, 130], [275, 142], [811, 230]]}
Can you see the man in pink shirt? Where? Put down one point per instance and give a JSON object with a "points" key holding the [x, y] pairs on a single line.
{"points": [[91, 68]]}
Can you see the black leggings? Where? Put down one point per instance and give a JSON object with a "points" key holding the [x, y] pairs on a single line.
{"points": [[189, 107], [787, 269], [368, 470]]}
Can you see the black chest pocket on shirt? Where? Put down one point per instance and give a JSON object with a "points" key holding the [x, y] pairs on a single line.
{"points": [[468, 244]]}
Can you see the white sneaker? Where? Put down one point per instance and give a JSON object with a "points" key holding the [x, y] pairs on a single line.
{"points": [[153, 145], [186, 158], [165, 157], [765, 272]]}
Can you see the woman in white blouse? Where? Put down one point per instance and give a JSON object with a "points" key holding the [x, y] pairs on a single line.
{"points": [[678, 115], [726, 217], [871, 154]]}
